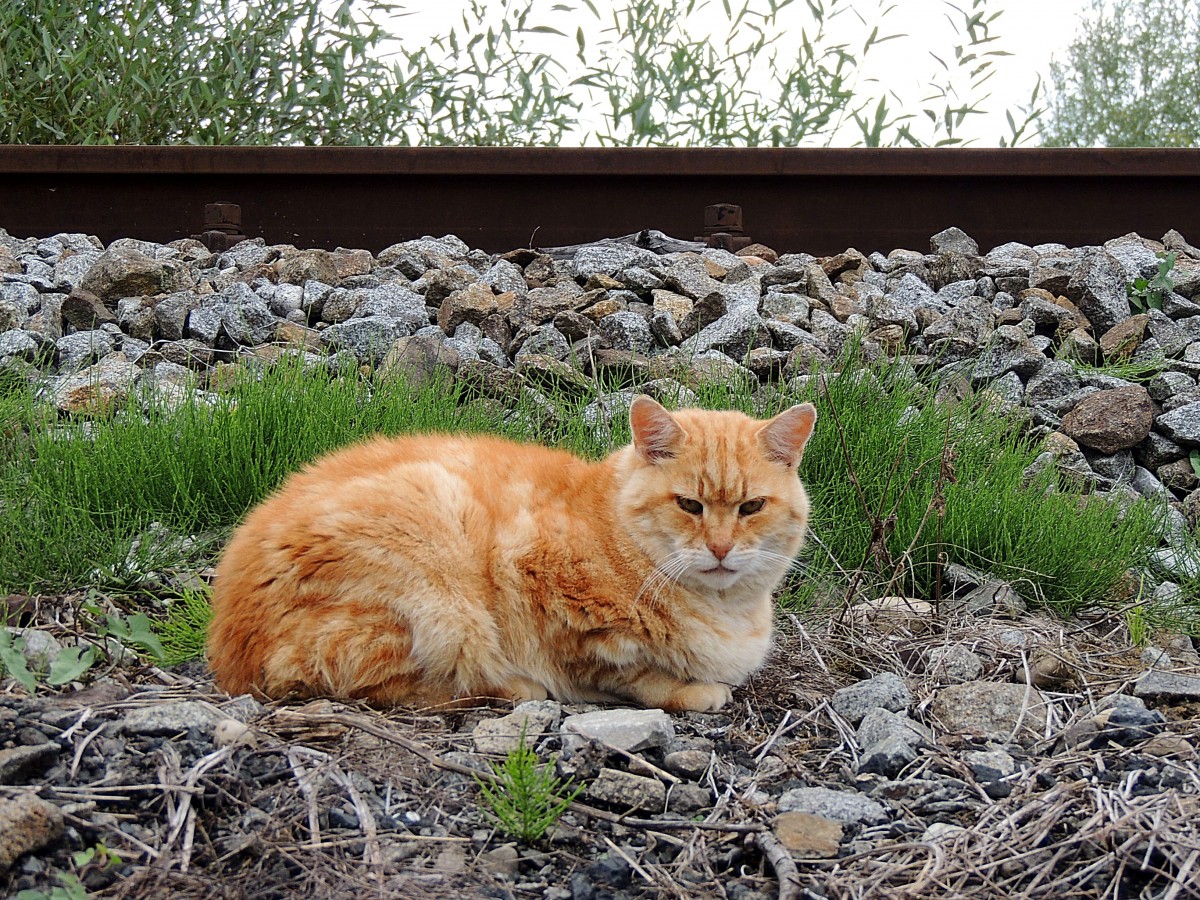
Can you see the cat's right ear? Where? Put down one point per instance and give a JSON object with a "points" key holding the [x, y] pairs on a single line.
{"points": [[656, 434]]}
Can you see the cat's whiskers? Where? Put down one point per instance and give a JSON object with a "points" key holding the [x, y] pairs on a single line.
{"points": [[792, 563], [664, 574]]}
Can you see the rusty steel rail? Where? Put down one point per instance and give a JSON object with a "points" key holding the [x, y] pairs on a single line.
{"points": [[816, 200]]}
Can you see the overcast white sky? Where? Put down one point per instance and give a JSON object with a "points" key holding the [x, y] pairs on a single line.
{"points": [[1032, 30]]}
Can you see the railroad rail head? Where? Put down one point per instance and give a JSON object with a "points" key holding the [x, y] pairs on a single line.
{"points": [[819, 201]]}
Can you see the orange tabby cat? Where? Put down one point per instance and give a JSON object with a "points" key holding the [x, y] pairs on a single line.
{"points": [[430, 569]]}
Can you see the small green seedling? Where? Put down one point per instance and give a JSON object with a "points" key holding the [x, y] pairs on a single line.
{"points": [[69, 886], [1148, 293], [527, 798], [71, 663]]}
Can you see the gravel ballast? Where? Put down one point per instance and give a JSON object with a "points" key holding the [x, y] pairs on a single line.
{"points": [[983, 751]]}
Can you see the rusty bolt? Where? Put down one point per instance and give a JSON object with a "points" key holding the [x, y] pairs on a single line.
{"points": [[223, 215], [723, 217], [723, 240]]}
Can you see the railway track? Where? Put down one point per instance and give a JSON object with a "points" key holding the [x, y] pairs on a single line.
{"points": [[816, 200]]}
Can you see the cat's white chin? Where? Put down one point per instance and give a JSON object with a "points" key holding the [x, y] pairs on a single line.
{"points": [[718, 578]]}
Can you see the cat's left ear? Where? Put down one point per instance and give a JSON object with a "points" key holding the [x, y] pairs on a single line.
{"points": [[656, 434], [783, 437]]}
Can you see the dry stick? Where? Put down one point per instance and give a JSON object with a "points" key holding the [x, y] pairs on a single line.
{"points": [[1181, 877], [83, 824], [81, 747], [372, 854], [434, 760], [780, 860], [304, 778]]}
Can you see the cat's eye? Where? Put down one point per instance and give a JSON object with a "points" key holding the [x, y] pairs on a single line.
{"points": [[750, 507], [688, 505]]}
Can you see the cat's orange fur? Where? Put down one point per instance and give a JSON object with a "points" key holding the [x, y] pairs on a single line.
{"points": [[424, 570]]}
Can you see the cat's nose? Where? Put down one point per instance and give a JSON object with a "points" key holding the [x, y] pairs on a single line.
{"points": [[719, 550]]}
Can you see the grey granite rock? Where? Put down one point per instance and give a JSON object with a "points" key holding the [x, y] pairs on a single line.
{"points": [[18, 344], [172, 718], [1181, 425], [842, 806], [953, 240], [128, 273], [734, 334], [1097, 287], [627, 331], [248, 323], [632, 730], [1009, 350], [887, 757], [548, 373], [992, 711], [419, 358], [611, 260], [886, 690], [369, 338], [879, 724], [953, 663], [544, 341], [77, 350]]}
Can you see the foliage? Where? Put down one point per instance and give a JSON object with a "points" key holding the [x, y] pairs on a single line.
{"points": [[518, 72], [902, 484], [527, 797], [944, 483], [197, 71], [1148, 293], [1138, 369], [184, 630], [78, 503], [1130, 79], [12, 660], [71, 663], [69, 886]]}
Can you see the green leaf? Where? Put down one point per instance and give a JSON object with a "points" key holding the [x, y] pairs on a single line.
{"points": [[12, 659], [136, 630], [71, 662]]}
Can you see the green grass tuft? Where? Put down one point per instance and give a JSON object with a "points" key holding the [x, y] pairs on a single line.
{"points": [[185, 629], [932, 483]]}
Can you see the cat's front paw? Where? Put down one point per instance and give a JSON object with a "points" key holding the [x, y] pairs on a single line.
{"points": [[700, 697], [521, 690]]}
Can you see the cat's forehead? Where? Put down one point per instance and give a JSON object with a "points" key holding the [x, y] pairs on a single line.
{"points": [[722, 457], [720, 431]]}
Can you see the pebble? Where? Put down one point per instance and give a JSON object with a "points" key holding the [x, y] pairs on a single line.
{"points": [[631, 730], [990, 710], [1156, 684], [172, 719], [808, 835], [842, 806], [627, 792], [955, 663], [19, 764], [689, 764], [530, 720], [27, 823], [887, 690]]}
